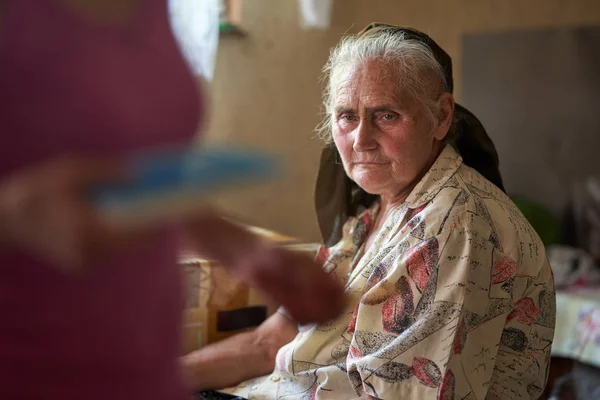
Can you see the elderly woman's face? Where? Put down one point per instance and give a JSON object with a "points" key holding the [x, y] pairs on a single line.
{"points": [[383, 135]]}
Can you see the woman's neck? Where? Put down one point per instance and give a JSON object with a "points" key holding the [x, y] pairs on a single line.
{"points": [[385, 209], [388, 203]]}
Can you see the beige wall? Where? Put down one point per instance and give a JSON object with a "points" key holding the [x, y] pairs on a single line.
{"points": [[266, 91]]}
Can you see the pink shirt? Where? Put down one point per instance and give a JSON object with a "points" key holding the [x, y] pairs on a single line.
{"points": [[70, 85]]}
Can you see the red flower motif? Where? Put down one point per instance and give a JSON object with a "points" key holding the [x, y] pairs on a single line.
{"points": [[426, 372], [367, 220], [458, 337], [421, 260], [414, 211], [354, 353], [323, 254], [503, 268], [398, 309], [447, 388], [413, 222], [352, 324], [525, 311]]}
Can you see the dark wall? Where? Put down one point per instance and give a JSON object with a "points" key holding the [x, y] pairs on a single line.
{"points": [[537, 92]]}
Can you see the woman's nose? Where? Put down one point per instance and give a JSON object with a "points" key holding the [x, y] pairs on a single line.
{"points": [[364, 139]]}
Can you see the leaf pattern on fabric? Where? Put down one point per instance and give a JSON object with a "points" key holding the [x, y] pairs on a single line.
{"points": [[421, 260], [525, 311], [447, 388], [503, 269], [427, 372], [398, 309]]}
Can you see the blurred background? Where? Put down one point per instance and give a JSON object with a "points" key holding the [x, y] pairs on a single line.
{"points": [[530, 70], [517, 65]]}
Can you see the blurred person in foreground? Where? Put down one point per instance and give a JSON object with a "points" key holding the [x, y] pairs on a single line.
{"points": [[90, 311], [451, 295]]}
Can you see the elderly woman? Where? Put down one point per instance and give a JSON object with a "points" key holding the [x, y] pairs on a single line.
{"points": [[451, 296]]}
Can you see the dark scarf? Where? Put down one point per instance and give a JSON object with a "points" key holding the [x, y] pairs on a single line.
{"points": [[337, 197]]}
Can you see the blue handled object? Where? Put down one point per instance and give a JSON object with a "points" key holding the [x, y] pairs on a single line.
{"points": [[172, 182]]}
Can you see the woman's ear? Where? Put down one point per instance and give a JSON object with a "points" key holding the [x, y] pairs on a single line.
{"points": [[445, 116]]}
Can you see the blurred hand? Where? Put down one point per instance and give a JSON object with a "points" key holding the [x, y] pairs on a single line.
{"points": [[292, 279], [296, 281], [45, 210]]}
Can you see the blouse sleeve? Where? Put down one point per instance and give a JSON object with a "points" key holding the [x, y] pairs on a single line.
{"points": [[439, 320], [523, 359]]}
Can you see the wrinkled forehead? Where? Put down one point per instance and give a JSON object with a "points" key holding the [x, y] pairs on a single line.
{"points": [[371, 81]]}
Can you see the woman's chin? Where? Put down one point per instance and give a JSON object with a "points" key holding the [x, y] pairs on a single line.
{"points": [[370, 186]]}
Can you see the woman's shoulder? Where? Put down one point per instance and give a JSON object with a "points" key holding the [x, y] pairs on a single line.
{"points": [[473, 203]]}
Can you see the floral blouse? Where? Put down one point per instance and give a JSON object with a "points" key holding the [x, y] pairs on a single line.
{"points": [[454, 299]]}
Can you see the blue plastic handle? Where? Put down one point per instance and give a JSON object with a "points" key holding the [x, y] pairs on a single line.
{"points": [[187, 171]]}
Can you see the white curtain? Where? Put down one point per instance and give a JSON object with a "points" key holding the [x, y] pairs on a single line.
{"points": [[195, 24], [315, 14]]}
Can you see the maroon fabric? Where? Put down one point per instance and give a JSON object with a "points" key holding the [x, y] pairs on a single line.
{"points": [[71, 85]]}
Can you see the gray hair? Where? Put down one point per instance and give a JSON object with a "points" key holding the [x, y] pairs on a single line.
{"points": [[418, 71]]}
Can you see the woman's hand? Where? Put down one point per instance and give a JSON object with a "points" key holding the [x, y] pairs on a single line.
{"points": [[292, 279], [45, 209]]}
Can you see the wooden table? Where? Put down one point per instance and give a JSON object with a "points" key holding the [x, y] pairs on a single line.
{"points": [[218, 304]]}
